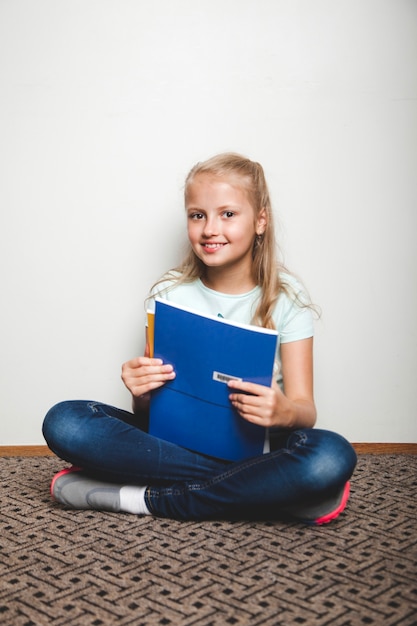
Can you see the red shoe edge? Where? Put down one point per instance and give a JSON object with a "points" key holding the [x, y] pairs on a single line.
{"points": [[325, 519], [67, 470]]}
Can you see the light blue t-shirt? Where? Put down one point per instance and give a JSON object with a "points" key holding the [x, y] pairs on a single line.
{"points": [[293, 320]]}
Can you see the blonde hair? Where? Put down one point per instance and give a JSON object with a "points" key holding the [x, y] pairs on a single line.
{"points": [[265, 267]]}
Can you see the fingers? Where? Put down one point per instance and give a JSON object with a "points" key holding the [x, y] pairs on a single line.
{"points": [[246, 387], [248, 407], [143, 374], [253, 395], [140, 361], [256, 404]]}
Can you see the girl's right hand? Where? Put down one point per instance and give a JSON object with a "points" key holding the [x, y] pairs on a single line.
{"points": [[143, 374]]}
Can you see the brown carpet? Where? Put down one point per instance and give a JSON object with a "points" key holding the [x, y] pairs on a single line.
{"points": [[82, 568]]}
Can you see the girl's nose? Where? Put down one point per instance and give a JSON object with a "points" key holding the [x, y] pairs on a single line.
{"points": [[211, 227]]}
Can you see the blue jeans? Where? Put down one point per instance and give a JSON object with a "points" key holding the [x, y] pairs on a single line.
{"points": [[304, 466]]}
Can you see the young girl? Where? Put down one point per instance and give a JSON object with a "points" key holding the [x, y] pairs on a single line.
{"points": [[231, 269]]}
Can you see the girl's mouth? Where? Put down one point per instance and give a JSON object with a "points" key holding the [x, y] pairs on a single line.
{"points": [[213, 246]]}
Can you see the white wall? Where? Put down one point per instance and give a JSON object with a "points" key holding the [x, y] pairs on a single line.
{"points": [[106, 104]]}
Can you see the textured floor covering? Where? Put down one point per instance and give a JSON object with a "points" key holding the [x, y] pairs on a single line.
{"points": [[75, 568]]}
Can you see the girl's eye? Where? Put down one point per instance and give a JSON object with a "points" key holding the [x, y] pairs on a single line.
{"points": [[196, 216], [228, 213]]}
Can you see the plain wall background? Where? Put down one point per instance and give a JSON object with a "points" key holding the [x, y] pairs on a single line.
{"points": [[104, 107]]}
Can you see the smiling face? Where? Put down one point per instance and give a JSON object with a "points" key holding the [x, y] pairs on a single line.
{"points": [[222, 225]]}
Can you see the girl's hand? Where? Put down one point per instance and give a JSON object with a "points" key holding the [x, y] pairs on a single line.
{"points": [[269, 406], [266, 406], [143, 374]]}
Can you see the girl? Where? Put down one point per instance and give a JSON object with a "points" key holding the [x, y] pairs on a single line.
{"points": [[230, 268]]}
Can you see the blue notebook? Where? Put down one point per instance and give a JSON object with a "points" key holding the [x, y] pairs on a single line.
{"points": [[194, 410]]}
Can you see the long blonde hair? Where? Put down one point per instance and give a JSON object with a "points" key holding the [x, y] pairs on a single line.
{"points": [[265, 267]]}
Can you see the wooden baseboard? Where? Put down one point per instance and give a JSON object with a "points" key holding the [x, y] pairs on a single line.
{"points": [[385, 448], [361, 448], [25, 451]]}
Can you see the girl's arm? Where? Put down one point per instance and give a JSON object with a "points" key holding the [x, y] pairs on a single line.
{"points": [[143, 374], [269, 406]]}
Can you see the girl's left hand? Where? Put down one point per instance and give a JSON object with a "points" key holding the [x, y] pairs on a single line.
{"points": [[265, 406]]}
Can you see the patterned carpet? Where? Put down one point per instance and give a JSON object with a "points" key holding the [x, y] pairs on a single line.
{"points": [[90, 569]]}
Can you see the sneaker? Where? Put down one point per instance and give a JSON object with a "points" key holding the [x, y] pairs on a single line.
{"points": [[323, 512], [77, 490], [68, 470]]}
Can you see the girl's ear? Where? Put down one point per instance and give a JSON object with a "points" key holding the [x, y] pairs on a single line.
{"points": [[261, 222]]}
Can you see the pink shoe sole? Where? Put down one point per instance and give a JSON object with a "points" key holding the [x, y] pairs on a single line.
{"points": [[67, 470], [325, 519]]}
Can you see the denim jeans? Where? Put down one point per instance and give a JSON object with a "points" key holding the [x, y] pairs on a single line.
{"points": [[304, 466]]}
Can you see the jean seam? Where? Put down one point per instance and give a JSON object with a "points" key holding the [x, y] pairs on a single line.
{"points": [[156, 492]]}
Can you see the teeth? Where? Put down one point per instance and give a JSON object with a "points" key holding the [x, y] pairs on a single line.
{"points": [[213, 245]]}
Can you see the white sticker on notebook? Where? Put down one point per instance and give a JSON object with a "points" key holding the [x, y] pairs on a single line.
{"points": [[224, 378]]}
